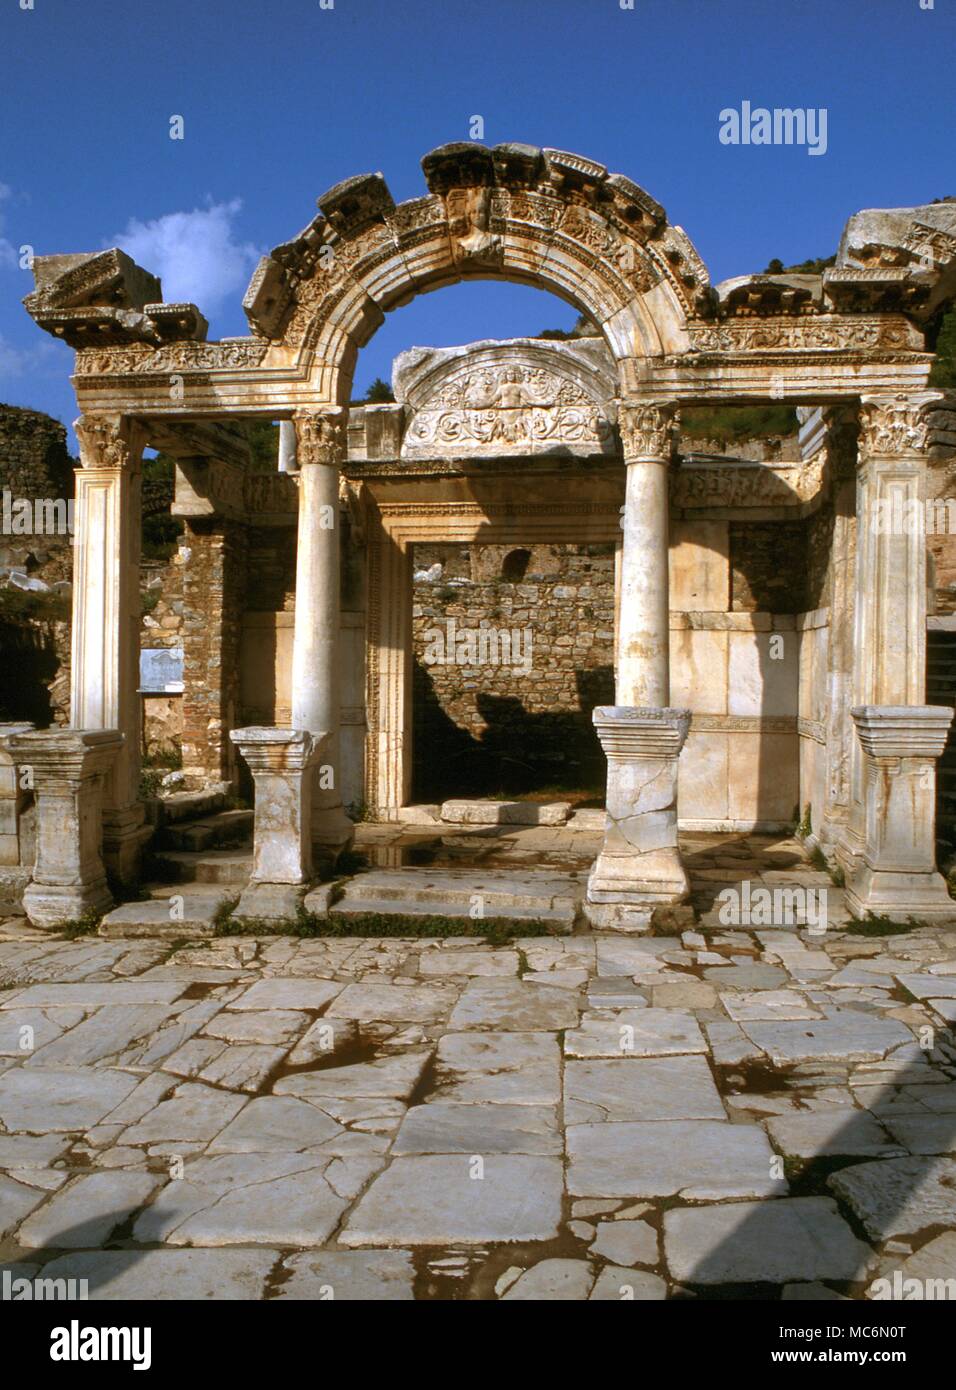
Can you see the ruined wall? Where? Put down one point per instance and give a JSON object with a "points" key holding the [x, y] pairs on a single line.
{"points": [[34, 621], [768, 566], [214, 584], [520, 718]]}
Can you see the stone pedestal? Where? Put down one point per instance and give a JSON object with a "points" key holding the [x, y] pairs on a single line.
{"points": [[70, 769], [639, 867], [897, 875], [280, 761]]}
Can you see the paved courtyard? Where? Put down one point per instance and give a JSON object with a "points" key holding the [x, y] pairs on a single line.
{"points": [[723, 1110]]}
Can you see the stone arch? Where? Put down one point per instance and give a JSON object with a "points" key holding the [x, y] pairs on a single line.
{"points": [[545, 218], [515, 564]]}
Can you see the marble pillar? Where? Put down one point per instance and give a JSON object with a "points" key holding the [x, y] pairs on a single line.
{"points": [[70, 770], [639, 868], [316, 678], [889, 633], [280, 761], [898, 876], [106, 619]]}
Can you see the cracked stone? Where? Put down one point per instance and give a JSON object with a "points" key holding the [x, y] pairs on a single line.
{"points": [[640, 1088]]}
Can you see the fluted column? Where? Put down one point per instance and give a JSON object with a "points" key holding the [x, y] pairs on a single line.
{"points": [[316, 693], [639, 869], [106, 618]]}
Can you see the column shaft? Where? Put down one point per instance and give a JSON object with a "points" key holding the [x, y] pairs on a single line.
{"points": [[316, 679], [105, 639]]}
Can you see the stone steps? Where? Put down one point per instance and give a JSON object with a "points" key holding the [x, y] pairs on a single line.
{"points": [[180, 806], [206, 833], [414, 892], [217, 866], [170, 917]]}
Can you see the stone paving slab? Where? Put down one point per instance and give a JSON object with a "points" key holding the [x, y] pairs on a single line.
{"points": [[450, 1200], [453, 1127], [901, 1196], [390, 1118], [145, 1275], [832, 1132], [511, 1004], [702, 1160], [56, 1100], [635, 1033], [640, 1088], [518, 1068], [368, 1276], [88, 1210], [762, 1242]]}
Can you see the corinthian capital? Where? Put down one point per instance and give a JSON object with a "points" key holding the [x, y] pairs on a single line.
{"points": [[321, 435], [647, 429], [108, 441], [895, 424]]}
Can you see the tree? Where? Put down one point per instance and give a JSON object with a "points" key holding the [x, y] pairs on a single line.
{"points": [[944, 368], [811, 267], [379, 393]]}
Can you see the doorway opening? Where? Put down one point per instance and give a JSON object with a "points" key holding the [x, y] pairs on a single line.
{"points": [[513, 647]]}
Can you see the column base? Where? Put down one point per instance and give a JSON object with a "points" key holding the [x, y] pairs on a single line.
{"points": [[639, 868], [270, 902], [655, 879], [899, 896], [54, 907]]}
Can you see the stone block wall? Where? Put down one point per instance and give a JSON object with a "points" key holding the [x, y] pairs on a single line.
{"points": [[494, 723], [34, 631], [214, 583]]}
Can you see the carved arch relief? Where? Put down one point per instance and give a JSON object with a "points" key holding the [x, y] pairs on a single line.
{"points": [[546, 218]]}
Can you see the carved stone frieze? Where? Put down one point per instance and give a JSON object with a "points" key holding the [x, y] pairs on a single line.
{"points": [[828, 332], [746, 484], [624, 253], [173, 357], [519, 397]]}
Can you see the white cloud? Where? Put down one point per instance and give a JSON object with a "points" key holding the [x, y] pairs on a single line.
{"points": [[195, 254], [33, 360]]}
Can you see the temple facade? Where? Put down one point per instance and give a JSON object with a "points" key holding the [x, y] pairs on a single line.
{"points": [[726, 715]]}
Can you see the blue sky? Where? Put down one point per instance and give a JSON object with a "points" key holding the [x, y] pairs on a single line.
{"points": [[282, 99]]}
